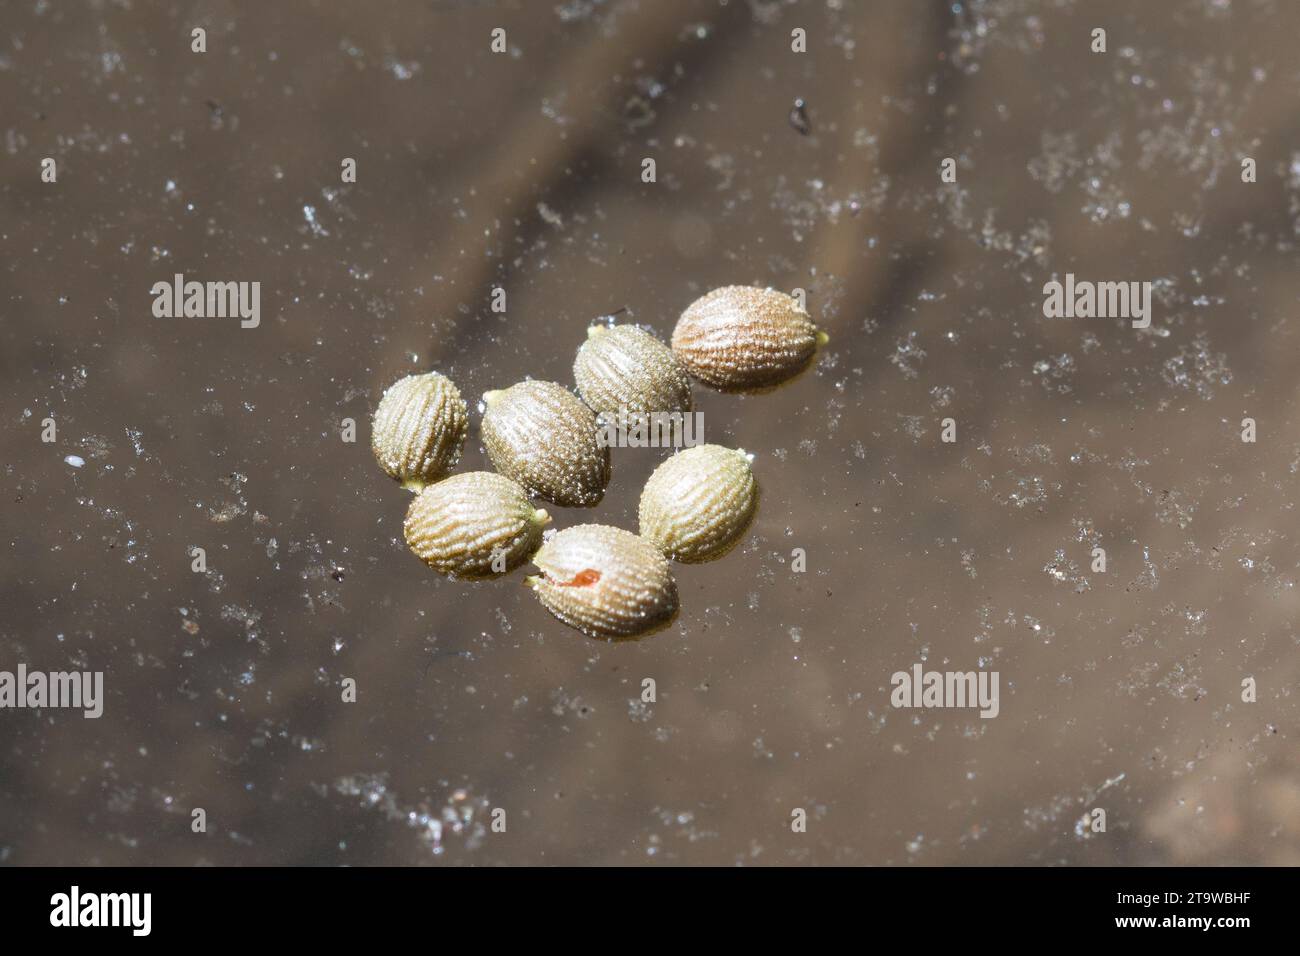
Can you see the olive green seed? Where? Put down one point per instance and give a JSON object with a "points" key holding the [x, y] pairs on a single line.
{"points": [[604, 581], [740, 338], [473, 525], [418, 429], [624, 367], [541, 435], [698, 503]]}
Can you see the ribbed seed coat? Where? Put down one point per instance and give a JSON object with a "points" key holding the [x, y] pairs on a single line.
{"points": [[604, 581], [419, 428], [739, 338], [623, 366], [697, 504], [460, 525], [544, 437]]}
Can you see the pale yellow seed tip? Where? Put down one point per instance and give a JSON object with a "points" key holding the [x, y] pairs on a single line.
{"points": [[595, 330], [822, 337], [541, 517], [490, 397]]}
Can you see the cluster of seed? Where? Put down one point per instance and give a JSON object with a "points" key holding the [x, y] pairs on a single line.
{"points": [[544, 442]]}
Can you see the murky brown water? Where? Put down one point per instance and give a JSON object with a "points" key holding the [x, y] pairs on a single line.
{"points": [[1120, 690]]}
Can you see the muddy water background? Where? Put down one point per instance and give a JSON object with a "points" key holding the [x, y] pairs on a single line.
{"points": [[1119, 690]]}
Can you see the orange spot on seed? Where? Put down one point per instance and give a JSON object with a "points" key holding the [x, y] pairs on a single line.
{"points": [[581, 579]]}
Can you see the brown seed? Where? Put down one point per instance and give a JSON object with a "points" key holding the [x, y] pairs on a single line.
{"points": [[604, 581], [622, 366], [418, 429], [473, 525], [541, 435], [698, 503], [740, 338]]}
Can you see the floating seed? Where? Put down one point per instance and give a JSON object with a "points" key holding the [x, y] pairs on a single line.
{"points": [[541, 435], [698, 503], [604, 581], [477, 524], [623, 366], [418, 429], [740, 338]]}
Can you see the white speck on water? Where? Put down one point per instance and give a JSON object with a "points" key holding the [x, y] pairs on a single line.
{"points": [[309, 213], [76, 461], [402, 71]]}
